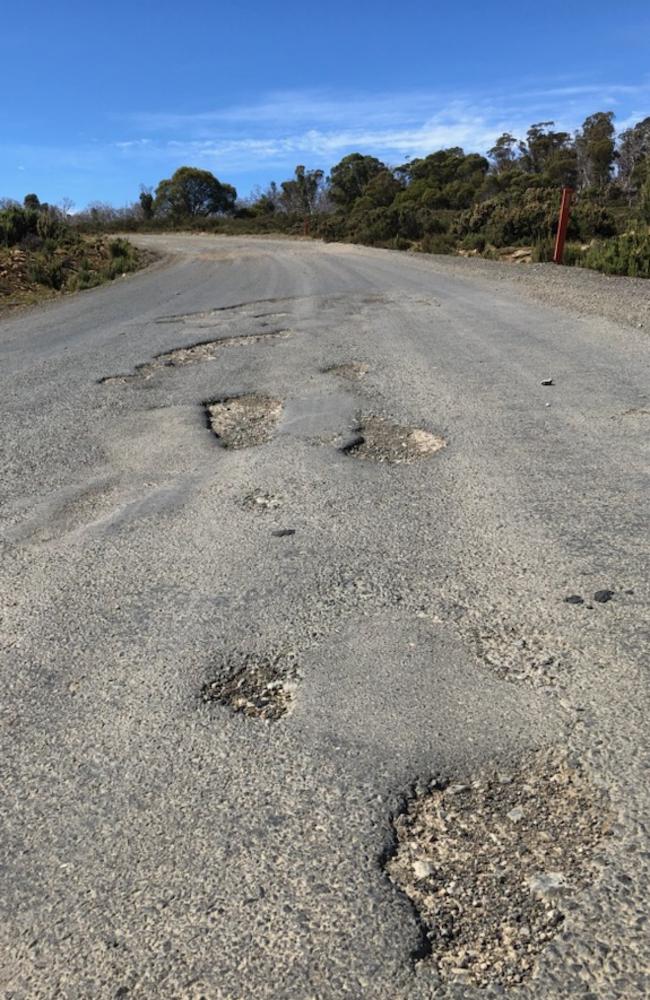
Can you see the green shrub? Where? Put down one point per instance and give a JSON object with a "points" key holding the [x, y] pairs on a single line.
{"points": [[543, 251], [574, 255], [438, 243], [16, 224], [120, 248], [84, 279], [47, 270], [628, 254]]}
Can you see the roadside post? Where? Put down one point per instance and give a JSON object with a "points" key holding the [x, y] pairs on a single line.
{"points": [[563, 222], [305, 227]]}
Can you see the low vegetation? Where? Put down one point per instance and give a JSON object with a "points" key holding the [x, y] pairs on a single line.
{"points": [[447, 202], [42, 254]]}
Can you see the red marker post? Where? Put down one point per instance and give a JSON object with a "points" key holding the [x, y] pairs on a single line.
{"points": [[563, 222]]}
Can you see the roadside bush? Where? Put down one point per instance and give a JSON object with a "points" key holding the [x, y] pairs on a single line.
{"points": [[628, 254], [438, 243], [16, 224], [47, 270]]}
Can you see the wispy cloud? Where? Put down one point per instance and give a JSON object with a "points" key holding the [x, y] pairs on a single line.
{"points": [[246, 142], [323, 125]]}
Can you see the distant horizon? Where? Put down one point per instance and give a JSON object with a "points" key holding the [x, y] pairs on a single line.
{"points": [[98, 115]]}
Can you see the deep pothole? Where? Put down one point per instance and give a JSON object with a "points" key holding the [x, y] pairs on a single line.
{"points": [[490, 863], [380, 440], [202, 351], [261, 687], [243, 421]]}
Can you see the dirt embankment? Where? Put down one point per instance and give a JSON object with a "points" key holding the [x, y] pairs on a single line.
{"points": [[32, 275]]}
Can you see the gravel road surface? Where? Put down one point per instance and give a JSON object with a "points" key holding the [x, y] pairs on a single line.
{"points": [[294, 702]]}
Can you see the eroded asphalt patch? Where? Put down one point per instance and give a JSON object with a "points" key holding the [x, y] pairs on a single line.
{"points": [[379, 440], [488, 864], [354, 371], [205, 350], [261, 687], [243, 421]]}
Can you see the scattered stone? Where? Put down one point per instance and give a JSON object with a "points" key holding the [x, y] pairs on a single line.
{"points": [[488, 869], [548, 381], [260, 687], [283, 532], [422, 869], [574, 599], [379, 440], [244, 421], [262, 501], [545, 883], [603, 596]]}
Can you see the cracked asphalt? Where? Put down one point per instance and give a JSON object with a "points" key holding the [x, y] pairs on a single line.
{"points": [[156, 845]]}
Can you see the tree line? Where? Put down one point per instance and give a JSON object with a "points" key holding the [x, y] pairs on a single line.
{"points": [[447, 201]]}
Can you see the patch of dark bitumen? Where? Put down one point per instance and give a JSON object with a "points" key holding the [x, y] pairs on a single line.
{"points": [[424, 948], [243, 421], [261, 687], [203, 350], [380, 440], [600, 597], [491, 863]]}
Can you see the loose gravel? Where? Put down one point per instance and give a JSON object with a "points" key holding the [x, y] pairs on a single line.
{"points": [[489, 863], [258, 687], [244, 421], [379, 440], [588, 293]]}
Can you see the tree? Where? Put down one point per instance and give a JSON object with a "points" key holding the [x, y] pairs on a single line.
{"points": [[265, 202], [549, 153], [32, 201], [634, 157], [349, 178], [191, 193], [595, 150], [300, 194], [504, 152], [146, 200]]}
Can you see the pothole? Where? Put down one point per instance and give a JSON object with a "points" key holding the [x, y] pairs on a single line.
{"points": [[489, 864], [515, 654], [261, 687], [354, 371], [205, 350], [379, 440], [243, 421], [262, 501]]}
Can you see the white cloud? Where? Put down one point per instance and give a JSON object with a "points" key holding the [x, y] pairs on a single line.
{"points": [[269, 136]]}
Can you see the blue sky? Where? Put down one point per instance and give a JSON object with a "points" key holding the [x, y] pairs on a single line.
{"points": [[98, 98]]}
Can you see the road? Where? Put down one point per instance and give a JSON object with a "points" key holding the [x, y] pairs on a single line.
{"points": [[159, 845]]}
